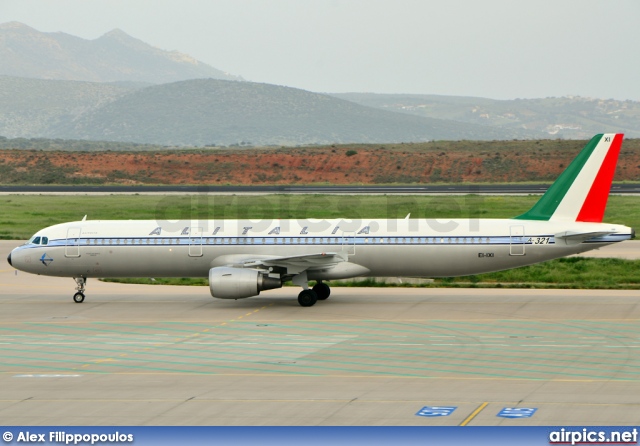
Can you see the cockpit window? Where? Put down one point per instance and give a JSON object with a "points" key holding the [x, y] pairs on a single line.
{"points": [[38, 240]]}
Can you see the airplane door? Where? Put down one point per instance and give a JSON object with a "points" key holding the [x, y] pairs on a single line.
{"points": [[195, 242], [72, 246], [349, 243], [516, 242]]}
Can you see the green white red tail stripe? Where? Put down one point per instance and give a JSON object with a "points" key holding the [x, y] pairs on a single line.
{"points": [[581, 192], [596, 202]]}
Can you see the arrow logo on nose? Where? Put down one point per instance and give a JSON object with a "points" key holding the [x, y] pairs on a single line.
{"points": [[45, 260]]}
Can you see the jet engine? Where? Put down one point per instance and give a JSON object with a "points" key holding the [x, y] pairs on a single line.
{"points": [[238, 283]]}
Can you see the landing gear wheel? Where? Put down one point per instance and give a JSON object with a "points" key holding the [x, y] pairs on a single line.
{"points": [[307, 298], [81, 282], [78, 297], [322, 290]]}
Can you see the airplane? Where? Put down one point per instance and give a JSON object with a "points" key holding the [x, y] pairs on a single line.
{"points": [[241, 258]]}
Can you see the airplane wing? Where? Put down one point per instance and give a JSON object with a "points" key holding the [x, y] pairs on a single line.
{"points": [[293, 264]]}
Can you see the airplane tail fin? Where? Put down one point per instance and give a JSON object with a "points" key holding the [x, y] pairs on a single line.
{"points": [[580, 193]]}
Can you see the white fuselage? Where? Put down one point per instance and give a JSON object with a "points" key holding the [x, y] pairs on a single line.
{"points": [[409, 247]]}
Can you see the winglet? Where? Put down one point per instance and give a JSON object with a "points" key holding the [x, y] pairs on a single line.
{"points": [[580, 193]]}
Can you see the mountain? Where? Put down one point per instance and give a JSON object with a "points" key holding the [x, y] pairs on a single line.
{"points": [[115, 56], [571, 117], [33, 107], [208, 112], [217, 112]]}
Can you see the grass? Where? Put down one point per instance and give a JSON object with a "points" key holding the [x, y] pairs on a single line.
{"points": [[22, 215], [572, 272]]}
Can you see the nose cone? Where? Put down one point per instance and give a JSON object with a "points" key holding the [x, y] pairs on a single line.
{"points": [[9, 259]]}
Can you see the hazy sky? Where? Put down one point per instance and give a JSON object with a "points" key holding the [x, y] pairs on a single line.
{"points": [[492, 48]]}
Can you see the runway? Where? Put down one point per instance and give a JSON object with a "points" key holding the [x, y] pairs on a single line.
{"points": [[155, 355], [438, 189]]}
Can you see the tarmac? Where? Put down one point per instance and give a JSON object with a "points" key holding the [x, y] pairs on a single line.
{"points": [[165, 355]]}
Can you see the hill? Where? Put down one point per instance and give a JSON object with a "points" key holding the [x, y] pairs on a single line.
{"points": [[33, 107], [572, 117], [115, 56], [209, 112]]}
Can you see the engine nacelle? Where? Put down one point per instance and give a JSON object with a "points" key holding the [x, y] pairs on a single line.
{"points": [[238, 283]]}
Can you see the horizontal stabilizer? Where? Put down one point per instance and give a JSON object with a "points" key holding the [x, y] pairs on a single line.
{"points": [[574, 238]]}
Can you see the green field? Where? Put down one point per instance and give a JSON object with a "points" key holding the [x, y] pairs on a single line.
{"points": [[573, 272], [23, 215]]}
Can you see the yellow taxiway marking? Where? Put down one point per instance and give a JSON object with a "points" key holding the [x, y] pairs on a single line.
{"points": [[473, 414], [240, 317]]}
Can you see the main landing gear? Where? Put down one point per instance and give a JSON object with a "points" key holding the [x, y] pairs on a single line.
{"points": [[309, 297], [79, 296], [322, 290]]}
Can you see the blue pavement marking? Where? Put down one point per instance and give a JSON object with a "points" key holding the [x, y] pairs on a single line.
{"points": [[436, 411], [517, 412]]}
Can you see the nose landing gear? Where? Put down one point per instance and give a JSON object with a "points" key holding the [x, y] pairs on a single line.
{"points": [[79, 296]]}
